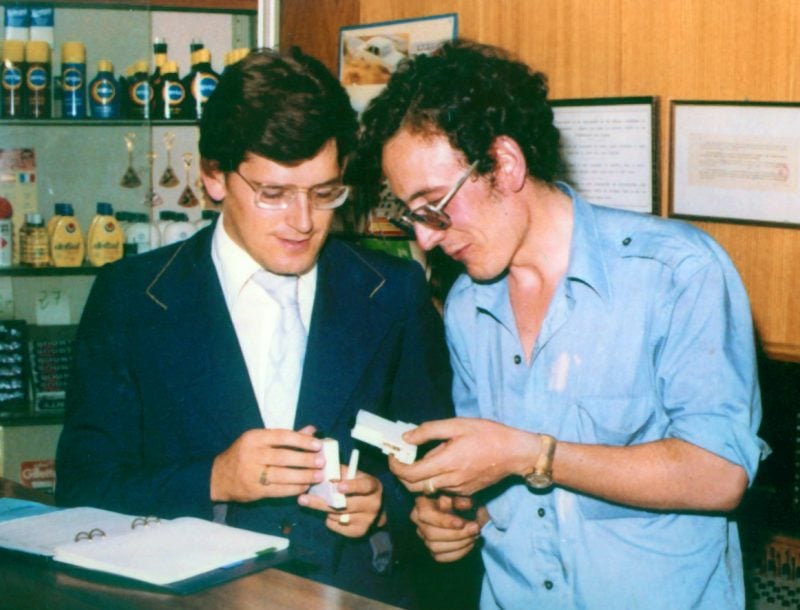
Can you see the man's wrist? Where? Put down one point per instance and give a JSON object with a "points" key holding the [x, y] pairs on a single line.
{"points": [[540, 475]]}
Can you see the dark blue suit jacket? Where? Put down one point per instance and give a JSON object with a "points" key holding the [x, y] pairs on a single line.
{"points": [[160, 387]]}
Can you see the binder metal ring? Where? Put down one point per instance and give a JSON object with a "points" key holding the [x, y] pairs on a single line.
{"points": [[90, 535], [144, 521]]}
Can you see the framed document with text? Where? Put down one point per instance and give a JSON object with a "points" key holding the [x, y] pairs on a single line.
{"points": [[610, 148], [736, 161]]}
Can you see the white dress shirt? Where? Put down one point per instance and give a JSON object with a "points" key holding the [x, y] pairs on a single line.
{"points": [[255, 316]]}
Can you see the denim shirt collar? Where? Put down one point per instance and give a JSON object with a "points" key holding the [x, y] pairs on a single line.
{"points": [[586, 263], [587, 254]]}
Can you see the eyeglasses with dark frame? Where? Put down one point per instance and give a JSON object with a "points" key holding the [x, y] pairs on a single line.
{"points": [[271, 197], [432, 215]]}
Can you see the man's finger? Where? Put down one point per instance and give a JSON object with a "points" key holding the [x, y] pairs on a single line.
{"points": [[440, 429]]}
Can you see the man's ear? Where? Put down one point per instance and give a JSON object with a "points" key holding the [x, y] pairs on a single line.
{"points": [[511, 169], [213, 180]]}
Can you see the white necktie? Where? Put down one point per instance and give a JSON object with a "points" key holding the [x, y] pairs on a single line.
{"points": [[286, 350]]}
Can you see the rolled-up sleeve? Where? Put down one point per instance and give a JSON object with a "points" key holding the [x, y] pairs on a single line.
{"points": [[707, 367]]}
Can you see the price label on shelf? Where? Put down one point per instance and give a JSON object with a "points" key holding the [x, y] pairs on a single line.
{"points": [[6, 299], [52, 307]]}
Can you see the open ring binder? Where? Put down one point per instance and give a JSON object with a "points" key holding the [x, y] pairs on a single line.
{"points": [[179, 555]]}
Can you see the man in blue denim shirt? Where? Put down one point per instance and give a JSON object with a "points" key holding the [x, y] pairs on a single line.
{"points": [[605, 371]]}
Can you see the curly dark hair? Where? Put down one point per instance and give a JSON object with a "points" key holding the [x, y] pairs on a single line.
{"points": [[472, 93], [282, 106]]}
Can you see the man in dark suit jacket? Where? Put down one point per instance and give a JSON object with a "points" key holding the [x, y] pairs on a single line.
{"points": [[165, 414]]}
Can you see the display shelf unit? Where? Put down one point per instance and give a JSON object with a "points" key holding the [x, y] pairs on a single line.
{"points": [[83, 161]]}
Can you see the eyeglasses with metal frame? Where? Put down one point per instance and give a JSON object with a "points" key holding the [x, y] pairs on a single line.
{"points": [[275, 197], [432, 215]]}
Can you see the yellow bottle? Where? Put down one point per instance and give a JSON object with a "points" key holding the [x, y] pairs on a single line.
{"points": [[66, 238], [105, 242], [58, 212]]}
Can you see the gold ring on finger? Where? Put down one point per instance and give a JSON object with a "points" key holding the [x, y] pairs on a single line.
{"points": [[262, 479], [430, 488], [344, 519]]}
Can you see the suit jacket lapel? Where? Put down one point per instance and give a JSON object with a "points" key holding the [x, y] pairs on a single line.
{"points": [[200, 327]]}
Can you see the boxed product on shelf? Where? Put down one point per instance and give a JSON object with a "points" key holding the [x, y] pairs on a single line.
{"points": [[50, 362], [14, 369]]}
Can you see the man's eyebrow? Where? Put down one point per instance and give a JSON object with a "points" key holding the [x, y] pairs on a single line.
{"points": [[424, 191], [331, 182]]}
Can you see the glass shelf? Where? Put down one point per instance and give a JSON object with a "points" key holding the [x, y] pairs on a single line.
{"points": [[96, 123], [31, 420], [20, 271]]}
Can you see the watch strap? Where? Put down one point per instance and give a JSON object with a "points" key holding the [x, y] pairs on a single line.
{"points": [[541, 476]]}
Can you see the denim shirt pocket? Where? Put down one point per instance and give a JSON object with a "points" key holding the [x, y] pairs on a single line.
{"points": [[618, 421]]}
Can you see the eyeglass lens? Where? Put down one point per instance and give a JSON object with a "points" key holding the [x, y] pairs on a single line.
{"points": [[432, 215]]}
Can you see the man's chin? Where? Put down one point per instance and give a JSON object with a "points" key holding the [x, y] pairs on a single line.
{"points": [[483, 275], [291, 265]]}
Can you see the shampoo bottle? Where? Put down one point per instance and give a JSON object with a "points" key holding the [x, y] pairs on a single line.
{"points": [[66, 239], [204, 81], [59, 211], [73, 80], [140, 93], [37, 80], [104, 96], [12, 78], [171, 99], [105, 242]]}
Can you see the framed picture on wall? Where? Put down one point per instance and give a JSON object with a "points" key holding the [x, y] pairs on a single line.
{"points": [[736, 161], [610, 148], [369, 53]]}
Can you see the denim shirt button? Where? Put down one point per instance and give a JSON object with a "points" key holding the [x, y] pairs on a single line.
{"points": [[517, 359], [548, 584], [541, 512]]}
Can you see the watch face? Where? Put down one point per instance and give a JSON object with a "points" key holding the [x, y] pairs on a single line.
{"points": [[539, 480]]}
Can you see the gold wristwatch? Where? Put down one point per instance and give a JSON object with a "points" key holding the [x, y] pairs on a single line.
{"points": [[541, 476]]}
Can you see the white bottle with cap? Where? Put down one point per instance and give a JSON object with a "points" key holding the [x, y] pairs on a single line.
{"points": [[138, 234], [179, 229]]}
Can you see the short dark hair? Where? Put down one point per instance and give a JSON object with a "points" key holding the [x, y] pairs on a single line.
{"points": [[471, 93], [282, 106]]}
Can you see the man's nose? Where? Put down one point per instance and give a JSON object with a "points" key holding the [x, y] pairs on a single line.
{"points": [[299, 213], [427, 238]]}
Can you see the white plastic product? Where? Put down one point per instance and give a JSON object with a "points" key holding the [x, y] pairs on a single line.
{"points": [[178, 230]]}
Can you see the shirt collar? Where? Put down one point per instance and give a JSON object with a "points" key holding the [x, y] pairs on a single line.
{"points": [[586, 261], [587, 254], [235, 267]]}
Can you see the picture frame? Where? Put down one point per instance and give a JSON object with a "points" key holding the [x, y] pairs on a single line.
{"points": [[610, 148], [736, 162], [369, 53]]}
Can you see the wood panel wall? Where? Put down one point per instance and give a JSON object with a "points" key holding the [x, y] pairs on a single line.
{"points": [[674, 49]]}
